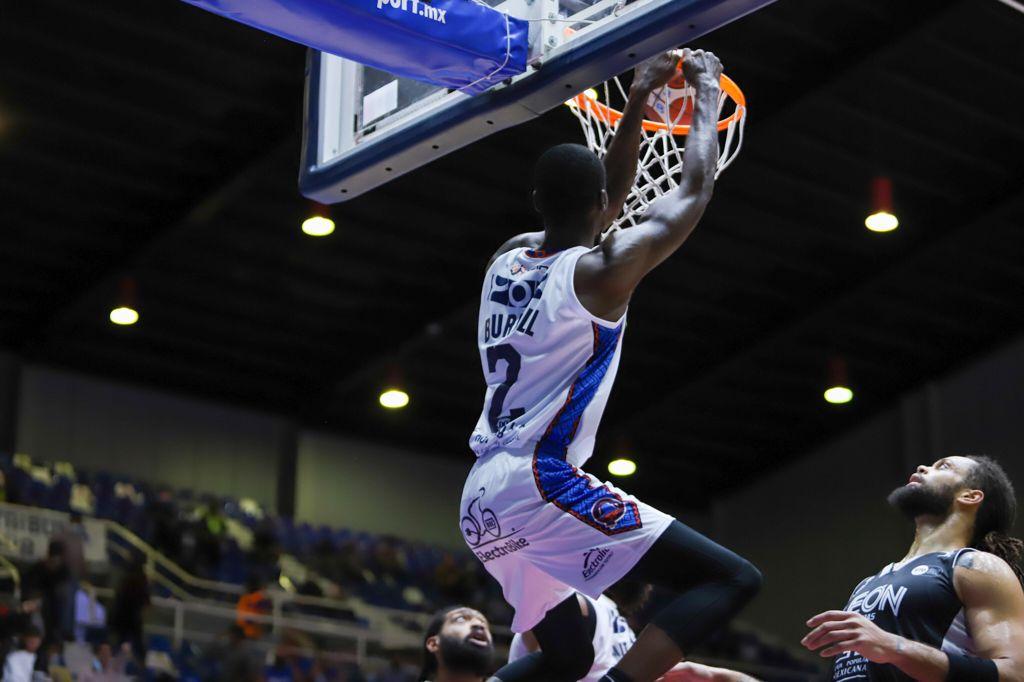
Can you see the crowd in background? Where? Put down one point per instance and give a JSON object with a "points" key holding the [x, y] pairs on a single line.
{"points": [[59, 625]]}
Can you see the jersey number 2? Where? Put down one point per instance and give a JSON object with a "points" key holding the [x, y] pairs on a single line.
{"points": [[513, 362]]}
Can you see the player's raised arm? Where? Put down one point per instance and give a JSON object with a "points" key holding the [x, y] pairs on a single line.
{"points": [[624, 150], [606, 277]]}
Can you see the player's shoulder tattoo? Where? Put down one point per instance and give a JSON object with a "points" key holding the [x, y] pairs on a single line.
{"points": [[966, 560], [983, 563]]}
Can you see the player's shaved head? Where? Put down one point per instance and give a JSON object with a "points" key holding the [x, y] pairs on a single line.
{"points": [[568, 181]]}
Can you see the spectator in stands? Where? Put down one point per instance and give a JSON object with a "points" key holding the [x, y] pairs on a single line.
{"points": [[212, 528], [255, 601], [239, 663], [394, 673], [457, 646], [90, 615], [130, 602], [166, 526], [45, 587], [448, 578], [106, 667], [72, 538], [22, 661], [265, 550]]}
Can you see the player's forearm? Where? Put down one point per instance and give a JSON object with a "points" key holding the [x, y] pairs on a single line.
{"points": [[928, 664], [700, 159], [920, 661], [624, 152]]}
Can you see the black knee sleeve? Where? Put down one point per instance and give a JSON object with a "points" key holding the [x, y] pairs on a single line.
{"points": [[711, 584], [748, 581], [566, 638]]}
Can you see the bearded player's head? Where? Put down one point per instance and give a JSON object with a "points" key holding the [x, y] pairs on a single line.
{"points": [[973, 487], [457, 645], [569, 192]]}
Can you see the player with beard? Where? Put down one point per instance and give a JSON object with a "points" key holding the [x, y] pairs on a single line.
{"points": [[953, 607], [457, 646]]}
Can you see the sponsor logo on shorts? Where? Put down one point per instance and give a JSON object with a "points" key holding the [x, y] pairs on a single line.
{"points": [[481, 529], [480, 523], [594, 560], [608, 511], [509, 547]]}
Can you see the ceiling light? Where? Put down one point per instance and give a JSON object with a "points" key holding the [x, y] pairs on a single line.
{"points": [[838, 395], [123, 315], [394, 398], [837, 385], [125, 312], [882, 218], [318, 226], [622, 467]]}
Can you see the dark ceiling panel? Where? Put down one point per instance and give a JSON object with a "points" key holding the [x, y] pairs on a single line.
{"points": [[157, 141]]}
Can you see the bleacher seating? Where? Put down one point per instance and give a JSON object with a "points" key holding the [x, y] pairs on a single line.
{"points": [[230, 540]]}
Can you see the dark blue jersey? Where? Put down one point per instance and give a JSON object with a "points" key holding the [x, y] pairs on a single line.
{"points": [[916, 600]]}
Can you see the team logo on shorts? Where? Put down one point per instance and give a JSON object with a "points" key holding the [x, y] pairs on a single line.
{"points": [[608, 511], [479, 522]]}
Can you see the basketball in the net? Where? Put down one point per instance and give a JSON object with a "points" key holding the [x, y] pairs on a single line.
{"points": [[672, 104]]}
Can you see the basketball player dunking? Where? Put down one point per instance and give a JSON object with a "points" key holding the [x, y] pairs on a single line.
{"points": [[953, 608], [552, 316]]}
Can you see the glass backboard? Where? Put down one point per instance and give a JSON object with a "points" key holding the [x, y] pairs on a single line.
{"points": [[365, 127]]}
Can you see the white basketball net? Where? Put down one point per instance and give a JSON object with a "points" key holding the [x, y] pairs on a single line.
{"points": [[661, 151]]}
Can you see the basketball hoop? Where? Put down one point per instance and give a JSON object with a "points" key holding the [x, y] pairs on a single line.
{"points": [[663, 131]]}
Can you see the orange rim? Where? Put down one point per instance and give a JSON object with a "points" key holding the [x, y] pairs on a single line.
{"points": [[612, 116]]}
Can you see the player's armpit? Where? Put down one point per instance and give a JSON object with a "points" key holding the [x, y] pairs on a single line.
{"points": [[994, 606], [607, 275]]}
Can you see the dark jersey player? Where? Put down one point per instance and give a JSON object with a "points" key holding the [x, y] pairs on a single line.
{"points": [[552, 319], [953, 607]]}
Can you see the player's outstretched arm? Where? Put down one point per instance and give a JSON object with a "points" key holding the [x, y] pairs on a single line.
{"points": [[606, 277], [624, 150], [994, 607], [698, 672]]}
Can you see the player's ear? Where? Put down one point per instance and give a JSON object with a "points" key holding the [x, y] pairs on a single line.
{"points": [[433, 644], [535, 200], [604, 200], [970, 497]]}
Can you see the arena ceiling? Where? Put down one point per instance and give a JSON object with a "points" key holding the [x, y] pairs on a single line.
{"points": [[156, 141]]}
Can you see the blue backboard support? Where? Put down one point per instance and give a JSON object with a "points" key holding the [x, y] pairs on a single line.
{"points": [[349, 149]]}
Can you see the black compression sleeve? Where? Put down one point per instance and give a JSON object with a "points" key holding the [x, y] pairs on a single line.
{"points": [[971, 669]]}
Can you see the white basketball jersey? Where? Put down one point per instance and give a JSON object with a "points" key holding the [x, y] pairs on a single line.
{"points": [[612, 639], [549, 364]]}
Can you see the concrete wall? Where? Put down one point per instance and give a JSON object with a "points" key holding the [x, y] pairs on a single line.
{"points": [[147, 434], [355, 484]]}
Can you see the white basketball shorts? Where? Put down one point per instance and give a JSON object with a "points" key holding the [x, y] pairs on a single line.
{"points": [[544, 528]]}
